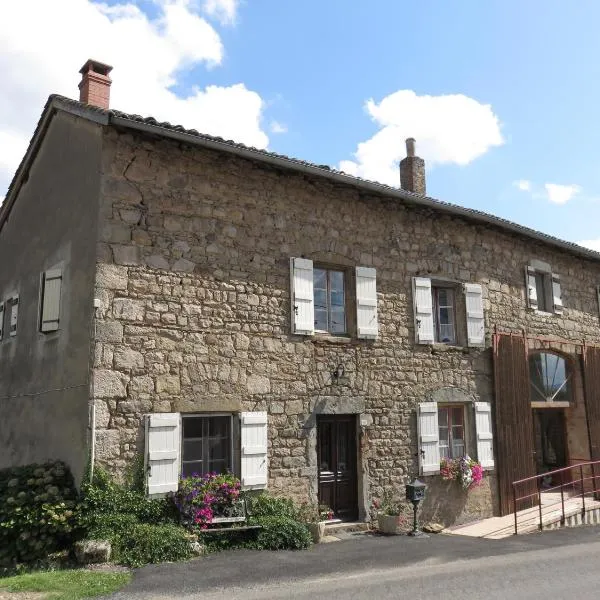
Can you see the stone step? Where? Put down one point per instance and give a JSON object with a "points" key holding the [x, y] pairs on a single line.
{"points": [[346, 527]]}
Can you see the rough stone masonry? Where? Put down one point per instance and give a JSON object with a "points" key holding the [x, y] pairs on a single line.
{"points": [[193, 278]]}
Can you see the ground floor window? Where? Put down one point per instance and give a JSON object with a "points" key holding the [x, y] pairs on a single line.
{"points": [[206, 445], [451, 424]]}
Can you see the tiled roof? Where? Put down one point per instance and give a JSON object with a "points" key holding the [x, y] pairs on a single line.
{"points": [[116, 117]]}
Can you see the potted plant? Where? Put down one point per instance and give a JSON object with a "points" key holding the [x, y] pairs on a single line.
{"points": [[392, 515], [465, 470], [315, 517]]}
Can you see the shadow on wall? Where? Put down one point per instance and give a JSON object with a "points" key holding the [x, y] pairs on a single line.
{"points": [[447, 503]]}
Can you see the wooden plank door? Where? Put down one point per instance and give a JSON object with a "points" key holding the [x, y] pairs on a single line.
{"points": [[338, 477], [514, 423]]}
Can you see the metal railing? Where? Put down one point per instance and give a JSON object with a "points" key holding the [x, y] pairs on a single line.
{"points": [[575, 487]]}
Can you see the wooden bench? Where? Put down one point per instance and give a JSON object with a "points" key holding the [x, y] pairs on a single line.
{"points": [[229, 523]]}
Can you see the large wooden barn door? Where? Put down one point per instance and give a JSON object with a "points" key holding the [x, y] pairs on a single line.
{"points": [[514, 422], [591, 375]]}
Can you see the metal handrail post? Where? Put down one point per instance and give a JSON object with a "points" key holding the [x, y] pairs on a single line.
{"points": [[562, 503], [515, 506], [539, 486], [582, 490], [594, 482]]}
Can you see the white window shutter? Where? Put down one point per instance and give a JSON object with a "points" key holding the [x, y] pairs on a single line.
{"points": [[303, 300], [483, 427], [1, 320], [423, 310], [51, 300], [429, 437], [14, 315], [556, 294], [163, 452], [530, 287], [366, 303], [254, 450], [475, 321]]}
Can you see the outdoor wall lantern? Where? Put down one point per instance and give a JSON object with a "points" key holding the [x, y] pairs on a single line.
{"points": [[415, 492], [338, 373]]}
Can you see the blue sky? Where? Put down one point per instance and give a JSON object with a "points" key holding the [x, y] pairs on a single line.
{"points": [[496, 92]]}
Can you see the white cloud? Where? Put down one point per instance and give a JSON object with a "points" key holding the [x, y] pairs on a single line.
{"points": [[223, 10], [523, 185], [449, 129], [591, 244], [150, 56], [277, 127], [561, 194]]}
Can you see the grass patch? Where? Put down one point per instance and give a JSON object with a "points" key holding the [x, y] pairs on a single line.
{"points": [[67, 585]]}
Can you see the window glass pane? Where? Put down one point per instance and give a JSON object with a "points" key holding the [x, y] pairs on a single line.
{"points": [[321, 320], [442, 296], [192, 450], [218, 426], [540, 288], [338, 320], [336, 281], [457, 415], [192, 427], [458, 449], [444, 451], [447, 334], [218, 466], [443, 417], [320, 279], [189, 468], [320, 299], [337, 298], [549, 378], [445, 317]]}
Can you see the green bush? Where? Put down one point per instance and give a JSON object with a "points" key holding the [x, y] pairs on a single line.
{"points": [[38, 512], [282, 533], [264, 505], [145, 544], [105, 497]]}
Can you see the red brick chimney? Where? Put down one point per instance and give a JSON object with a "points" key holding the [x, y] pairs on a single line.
{"points": [[94, 88]]}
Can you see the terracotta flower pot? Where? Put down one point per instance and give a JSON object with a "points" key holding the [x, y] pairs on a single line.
{"points": [[317, 531], [389, 524]]}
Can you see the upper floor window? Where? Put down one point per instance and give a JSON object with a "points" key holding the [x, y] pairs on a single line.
{"points": [[543, 288], [322, 302], [549, 378], [9, 316], [437, 318], [444, 316], [330, 300]]}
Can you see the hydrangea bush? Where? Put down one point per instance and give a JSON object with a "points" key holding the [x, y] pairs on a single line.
{"points": [[465, 470], [201, 498]]}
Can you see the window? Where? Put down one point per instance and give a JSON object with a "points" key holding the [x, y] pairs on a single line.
{"points": [[543, 288], [441, 430], [441, 318], [321, 300], [451, 424], [329, 293], [178, 445], [444, 315], [206, 445], [549, 378]]}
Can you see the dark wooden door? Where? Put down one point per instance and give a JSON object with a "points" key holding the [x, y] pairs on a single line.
{"points": [[591, 375], [336, 454]]}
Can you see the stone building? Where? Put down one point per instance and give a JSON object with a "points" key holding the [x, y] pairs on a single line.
{"points": [[211, 306]]}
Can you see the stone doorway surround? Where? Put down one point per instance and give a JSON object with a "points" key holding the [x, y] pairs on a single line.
{"points": [[336, 405]]}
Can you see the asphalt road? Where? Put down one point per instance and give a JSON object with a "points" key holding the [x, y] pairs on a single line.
{"points": [[552, 565]]}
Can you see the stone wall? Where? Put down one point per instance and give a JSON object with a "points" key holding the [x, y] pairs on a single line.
{"points": [[193, 277]]}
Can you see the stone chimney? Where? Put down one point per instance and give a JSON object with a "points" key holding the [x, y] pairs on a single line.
{"points": [[94, 88], [412, 170]]}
